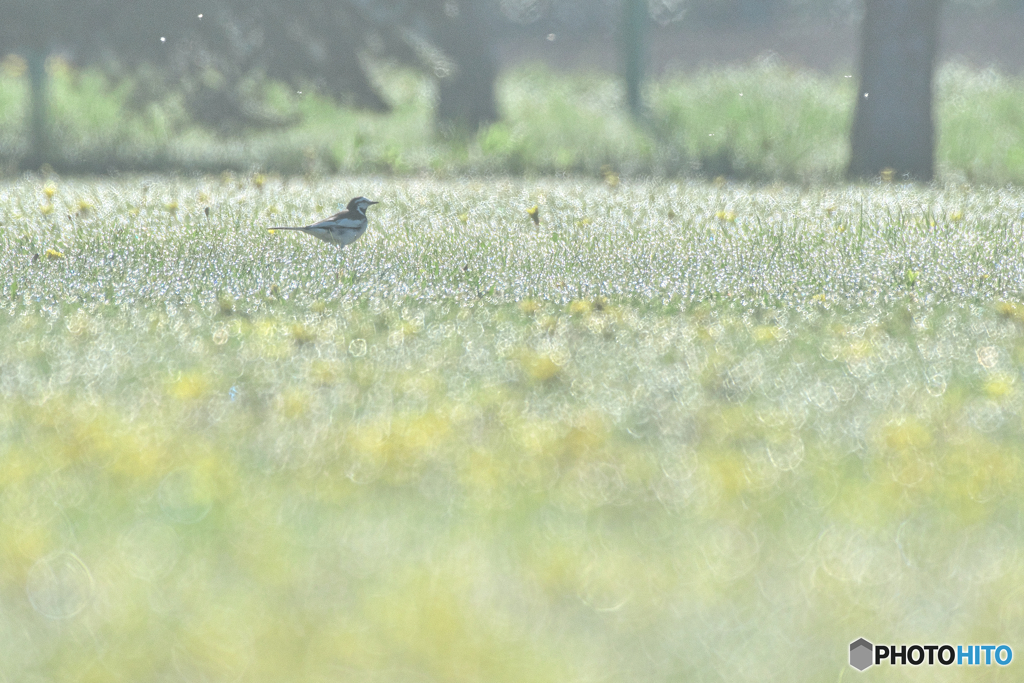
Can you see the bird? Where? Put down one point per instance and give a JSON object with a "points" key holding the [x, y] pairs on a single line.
{"points": [[344, 227]]}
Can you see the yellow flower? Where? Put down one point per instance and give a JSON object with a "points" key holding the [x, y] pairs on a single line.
{"points": [[610, 177], [540, 367], [302, 334], [579, 307], [528, 306], [999, 385], [189, 386], [1012, 310]]}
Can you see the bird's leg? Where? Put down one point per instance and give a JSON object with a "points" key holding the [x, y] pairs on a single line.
{"points": [[342, 264]]}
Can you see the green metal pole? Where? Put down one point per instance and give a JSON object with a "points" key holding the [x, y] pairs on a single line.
{"points": [[634, 49]]}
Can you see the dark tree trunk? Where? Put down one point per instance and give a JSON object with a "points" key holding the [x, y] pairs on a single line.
{"points": [[634, 52], [465, 96], [39, 114], [893, 127]]}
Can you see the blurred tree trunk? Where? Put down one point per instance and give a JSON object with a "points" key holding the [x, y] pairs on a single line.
{"points": [[893, 127], [634, 52], [39, 114], [465, 96]]}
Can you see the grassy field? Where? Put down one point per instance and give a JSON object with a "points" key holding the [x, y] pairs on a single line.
{"points": [[675, 432], [764, 122]]}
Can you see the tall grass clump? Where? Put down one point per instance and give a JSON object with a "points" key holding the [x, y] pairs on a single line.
{"points": [[981, 125], [764, 122]]}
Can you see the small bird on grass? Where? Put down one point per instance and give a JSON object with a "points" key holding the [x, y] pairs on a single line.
{"points": [[343, 228]]}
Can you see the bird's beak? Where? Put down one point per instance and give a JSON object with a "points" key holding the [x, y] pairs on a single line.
{"points": [[373, 203]]}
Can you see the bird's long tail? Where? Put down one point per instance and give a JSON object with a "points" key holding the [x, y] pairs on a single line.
{"points": [[284, 228]]}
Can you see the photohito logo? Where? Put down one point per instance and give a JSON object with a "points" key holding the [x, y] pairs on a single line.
{"points": [[864, 654]]}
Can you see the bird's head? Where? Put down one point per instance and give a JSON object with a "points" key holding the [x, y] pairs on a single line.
{"points": [[360, 204]]}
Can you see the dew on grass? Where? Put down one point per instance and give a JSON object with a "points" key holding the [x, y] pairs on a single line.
{"points": [[629, 418], [786, 453], [729, 551], [59, 585], [185, 497], [357, 348], [985, 554], [149, 549]]}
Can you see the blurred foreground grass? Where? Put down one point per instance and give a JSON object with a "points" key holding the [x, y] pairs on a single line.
{"points": [[765, 122], [675, 432]]}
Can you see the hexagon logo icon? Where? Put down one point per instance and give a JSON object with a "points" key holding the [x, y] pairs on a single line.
{"points": [[861, 654]]}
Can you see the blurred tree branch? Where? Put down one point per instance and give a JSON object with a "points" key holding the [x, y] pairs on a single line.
{"points": [[214, 51]]}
